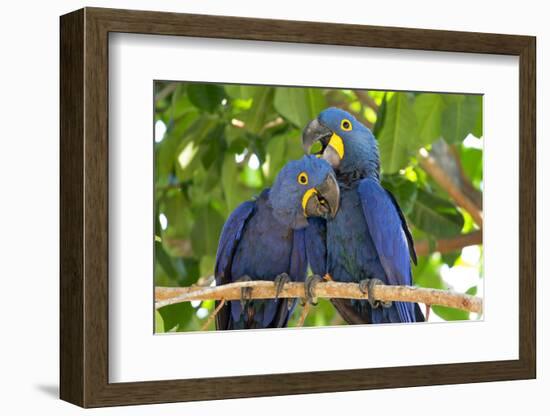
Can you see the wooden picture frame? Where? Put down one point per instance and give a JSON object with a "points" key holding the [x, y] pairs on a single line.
{"points": [[84, 207]]}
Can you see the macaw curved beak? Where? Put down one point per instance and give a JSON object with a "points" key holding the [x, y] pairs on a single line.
{"points": [[332, 145], [324, 200]]}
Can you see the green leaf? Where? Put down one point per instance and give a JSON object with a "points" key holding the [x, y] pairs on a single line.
{"points": [[233, 191], [242, 92], [381, 116], [207, 265], [275, 155], [214, 146], [403, 190], [189, 153], [261, 111], [165, 261], [428, 109], [435, 215], [206, 231], [294, 148], [426, 273], [478, 128], [451, 314], [206, 97], [472, 291], [472, 163], [460, 117], [252, 178], [191, 272], [181, 104], [176, 317], [166, 151], [280, 149], [299, 105], [397, 139], [210, 184], [177, 210], [159, 323], [450, 258]]}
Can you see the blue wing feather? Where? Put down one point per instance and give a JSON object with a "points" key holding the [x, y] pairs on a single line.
{"points": [[405, 227], [231, 234], [316, 245], [279, 310], [229, 238], [390, 240], [298, 259], [297, 273]]}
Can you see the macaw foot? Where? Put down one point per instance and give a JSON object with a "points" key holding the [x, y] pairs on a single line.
{"points": [[328, 277], [246, 292], [309, 287], [367, 286], [280, 282]]}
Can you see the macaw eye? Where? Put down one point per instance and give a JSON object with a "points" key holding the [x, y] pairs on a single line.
{"points": [[303, 179], [345, 125]]}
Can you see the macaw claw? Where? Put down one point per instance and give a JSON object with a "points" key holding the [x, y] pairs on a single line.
{"points": [[280, 282], [366, 286], [309, 288], [246, 292]]}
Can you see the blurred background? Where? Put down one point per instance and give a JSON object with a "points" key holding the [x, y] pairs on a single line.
{"points": [[218, 145]]}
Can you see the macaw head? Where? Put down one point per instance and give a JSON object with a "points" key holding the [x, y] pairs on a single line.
{"points": [[344, 142], [304, 188]]}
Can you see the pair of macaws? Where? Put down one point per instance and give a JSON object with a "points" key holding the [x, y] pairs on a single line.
{"points": [[328, 211]]}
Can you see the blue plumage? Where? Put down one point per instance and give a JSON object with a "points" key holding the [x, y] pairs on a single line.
{"points": [[267, 237], [369, 238], [316, 247], [390, 241]]}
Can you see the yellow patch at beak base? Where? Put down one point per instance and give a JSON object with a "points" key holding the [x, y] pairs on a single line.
{"points": [[337, 144], [309, 193]]}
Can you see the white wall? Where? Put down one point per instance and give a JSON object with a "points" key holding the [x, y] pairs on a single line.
{"points": [[29, 225]]}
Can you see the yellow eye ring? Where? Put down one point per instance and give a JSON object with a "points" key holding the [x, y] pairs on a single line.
{"points": [[346, 125], [303, 178]]}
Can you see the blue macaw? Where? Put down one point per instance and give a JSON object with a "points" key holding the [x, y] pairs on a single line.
{"points": [[268, 239], [368, 242]]}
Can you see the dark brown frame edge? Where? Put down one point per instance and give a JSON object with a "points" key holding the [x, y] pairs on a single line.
{"points": [[84, 207]]}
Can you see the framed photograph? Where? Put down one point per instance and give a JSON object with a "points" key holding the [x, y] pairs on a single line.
{"points": [[245, 201]]}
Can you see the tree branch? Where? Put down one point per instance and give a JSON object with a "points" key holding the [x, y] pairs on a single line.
{"points": [[430, 165], [447, 245], [467, 187], [266, 290]]}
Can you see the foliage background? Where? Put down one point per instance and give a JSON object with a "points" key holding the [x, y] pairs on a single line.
{"points": [[219, 145]]}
